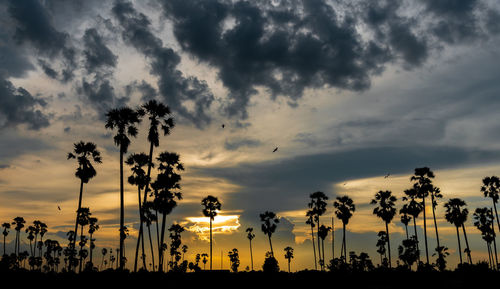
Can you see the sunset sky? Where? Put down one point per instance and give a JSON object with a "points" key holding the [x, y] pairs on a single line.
{"points": [[349, 91]]}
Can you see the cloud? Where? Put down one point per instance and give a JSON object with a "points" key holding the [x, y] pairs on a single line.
{"points": [[235, 144], [186, 95], [97, 54]]}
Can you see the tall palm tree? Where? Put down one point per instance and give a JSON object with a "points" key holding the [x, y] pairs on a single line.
{"points": [[93, 227], [484, 222], [19, 225], [310, 222], [385, 210], [250, 236], [323, 233], [211, 206], [5, 233], [435, 194], [423, 186], [414, 208], [491, 189], [83, 221], [167, 192], [31, 236], [457, 215], [289, 256], [269, 224], [124, 120], [344, 210], [318, 207], [139, 179], [150, 217], [405, 218], [85, 153], [159, 118]]}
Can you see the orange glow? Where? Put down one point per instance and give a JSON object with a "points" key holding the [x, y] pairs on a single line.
{"points": [[222, 224]]}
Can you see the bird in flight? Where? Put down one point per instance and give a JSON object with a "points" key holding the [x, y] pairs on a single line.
{"points": [[223, 125], [59, 208], [275, 149], [386, 176]]}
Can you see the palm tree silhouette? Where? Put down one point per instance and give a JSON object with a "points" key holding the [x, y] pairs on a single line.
{"points": [[484, 222], [184, 251], [405, 218], [234, 259], [158, 115], [19, 225], [104, 251], [5, 233], [269, 224], [491, 188], [344, 209], [423, 186], [323, 233], [386, 211], [31, 236], [441, 252], [310, 221], [210, 207], [167, 190], [149, 217], [139, 179], [84, 219], [456, 215], [435, 194], [85, 153], [250, 236], [43, 231], [289, 256], [382, 240], [93, 227], [204, 260], [318, 207], [124, 120], [414, 208]]}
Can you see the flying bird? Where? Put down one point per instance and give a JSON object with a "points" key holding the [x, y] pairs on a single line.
{"points": [[59, 208], [275, 149], [386, 176], [223, 125]]}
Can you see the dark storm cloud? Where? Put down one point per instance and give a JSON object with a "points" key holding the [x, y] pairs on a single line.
{"points": [[235, 144], [286, 184], [147, 91], [101, 95], [97, 54], [176, 89], [18, 106]]}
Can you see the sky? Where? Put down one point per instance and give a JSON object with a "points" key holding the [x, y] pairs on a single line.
{"points": [[349, 91]]}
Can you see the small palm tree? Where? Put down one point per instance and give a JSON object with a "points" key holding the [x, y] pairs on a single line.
{"points": [[344, 209], [31, 236], [85, 153], [414, 208], [310, 222], [19, 225], [318, 207], [211, 206], [204, 259], [382, 240], [93, 227], [104, 251], [289, 256], [441, 252], [250, 236], [269, 224], [386, 211], [234, 259], [405, 218], [491, 189], [484, 222], [435, 194], [323, 233], [457, 215], [124, 120], [5, 233]]}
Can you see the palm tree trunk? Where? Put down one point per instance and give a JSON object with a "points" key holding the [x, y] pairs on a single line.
{"points": [[425, 233], [157, 233], [434, 217], [388, 243], [406, 229], [344, 244], [91, 250], [271, 245], [152, 250], [77, 216], [494, 244], [4, 245], [160, 248], [122, 213], [416, 236], [210, 243], [459, 247], [333, 240], [467, 244], [488, 245], [251, 255], [323, 250], [81, 249], [140, 232], [314, 248], [319, 246], [496, 214], [288, 265]]}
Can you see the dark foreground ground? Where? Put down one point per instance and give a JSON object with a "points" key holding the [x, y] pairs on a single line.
{"points": [[304, 279]]}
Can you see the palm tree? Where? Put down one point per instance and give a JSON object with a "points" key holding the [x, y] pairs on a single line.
{"points": [[250, 236], [323, 233], [310, 221], [456, 215], [289, 256], [204, 260], [484, 222], [5, 233], [386, 211], [83, 221], [414, 208], [491, 188], [104, 251], [435, 194], [19, 222], [344, 209], [43, 231], [139, 179], [85, 153], [269, 224], [167, 191], [382, 240], [423, 186], [149, 217], [93, 227], [184, 251], [318, 207], [405, 218], [159, 118], [210, 207], [124, 120]]}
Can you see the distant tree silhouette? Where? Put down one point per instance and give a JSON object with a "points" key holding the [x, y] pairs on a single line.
{"points": [[234, 259], [456, 215], [270, 264], [414, 208], [405, 218], [204, 259], [139, 179], [124, 120], [318, 207], [491, 189], [175, 243], [84, 217], [211, 206], [167, 191], [30, 230], [435, 194], [5, 233], [344, 209], [310, 222], [441, 253], [149, 217], [184, 251], [85, 153], [289, 256], [19, 225], [382, 240], [93, 227], [423, 186], [408, 252], [250, 236], [484, 222], [323, 233], [104, 251], [159, 118], [269, 224], [385, 210]]}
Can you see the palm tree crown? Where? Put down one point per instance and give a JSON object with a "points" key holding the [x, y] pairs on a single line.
{"points": [[344, 208], [124, 120], [84, 153], [158, 114], [386, 205]]}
